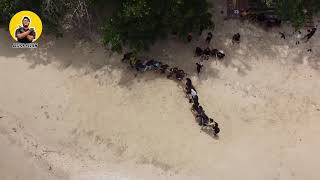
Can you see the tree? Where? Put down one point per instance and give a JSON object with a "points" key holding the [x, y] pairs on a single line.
{"points": [[52, 12], [295, 11], [139, 23]]}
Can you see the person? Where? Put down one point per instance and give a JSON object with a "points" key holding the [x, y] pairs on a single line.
{"points": [[172, 71], [282, 36], [163, 68], [25, 34], [180, 75], [198, 52], [189, 38], [193, 93], [209, 37], [214, 52], [206, 54], [156, 64], [207, 51], [195, 99], [151, 64], [140, 66], [199, 66], [310, 34], [127, 56], [236, 38], [204, 119], [220, 54], [189, 82], [298, 37], [216, 130], [210, 122], [309, 50], [194, 96], [188, 88], [196, 108]]}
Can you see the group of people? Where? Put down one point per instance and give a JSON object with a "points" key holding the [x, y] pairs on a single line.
{"points": [[203, 120], [311, 32], [144, 65], [205, 54], [298, 35], [141, 65]]}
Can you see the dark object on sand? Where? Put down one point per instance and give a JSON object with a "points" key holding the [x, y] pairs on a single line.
{"points": [[199, 67], [140, 66], [216, 130], [207, 52], [171, 72], [189, 82], [164, 68], [198, 52], [309, 50], [310, 34], [220, 54], [214, 52], [282, 35], [236, 38], [152, 65], [180, 74]]}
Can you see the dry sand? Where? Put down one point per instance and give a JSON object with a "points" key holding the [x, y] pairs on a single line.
{"points": [[69, 110]]}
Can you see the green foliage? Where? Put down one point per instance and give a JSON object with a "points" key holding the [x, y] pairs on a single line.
{"points": [[135, 23], [314, 6], [291, 10], [139, 23], [50, 15], [295, 11], [9, 7]]}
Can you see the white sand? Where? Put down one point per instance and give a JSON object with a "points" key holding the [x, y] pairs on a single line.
{"points": [[71, 111]]}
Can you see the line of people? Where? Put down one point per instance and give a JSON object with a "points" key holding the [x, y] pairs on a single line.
{"points": [[203, 120], [146, 65], [179, 75]]}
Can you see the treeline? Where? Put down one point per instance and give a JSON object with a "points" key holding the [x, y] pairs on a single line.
{"points": [[139, 23]]}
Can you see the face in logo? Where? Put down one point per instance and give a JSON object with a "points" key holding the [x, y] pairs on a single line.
{"points": [[25, 27], [25, 22], [24, 34]]}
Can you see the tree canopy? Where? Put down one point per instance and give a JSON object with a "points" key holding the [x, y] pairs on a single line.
{"points": [[295, 11], [139, 23]]}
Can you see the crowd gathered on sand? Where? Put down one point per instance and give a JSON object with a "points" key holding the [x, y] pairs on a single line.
{"points": [[142, 65], [202, 54]]}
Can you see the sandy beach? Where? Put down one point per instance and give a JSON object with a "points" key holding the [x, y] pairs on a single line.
{"points": [[71, 110]]}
